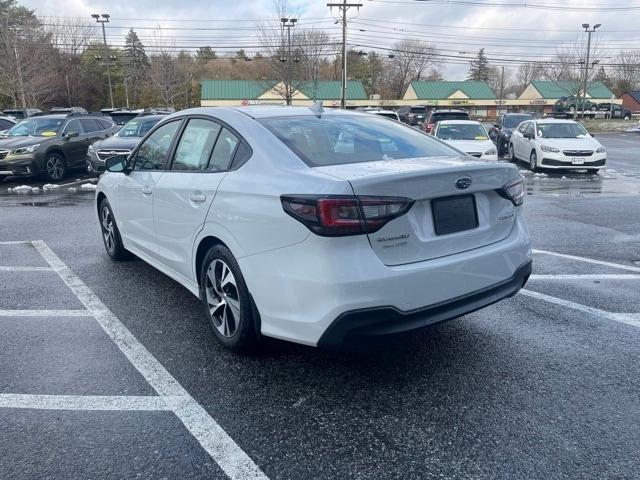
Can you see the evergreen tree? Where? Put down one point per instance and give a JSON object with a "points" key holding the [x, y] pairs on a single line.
{"points": [[479, 69], [135, 64], [204, 54]]}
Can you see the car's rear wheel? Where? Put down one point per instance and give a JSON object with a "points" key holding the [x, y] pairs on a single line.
{"points": [[227, 302], [55, 167], [533, 161], [627, 117], [110, 233]]}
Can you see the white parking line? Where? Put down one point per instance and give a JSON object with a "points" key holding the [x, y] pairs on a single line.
{"points": [[85, 402], [25, 269], [227, 454], [632, 319], [590, 260], [588, 276], [16, 242], [45, 313]]}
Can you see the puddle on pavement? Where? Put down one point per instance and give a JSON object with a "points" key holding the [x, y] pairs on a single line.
{"points": [[576, 183]]}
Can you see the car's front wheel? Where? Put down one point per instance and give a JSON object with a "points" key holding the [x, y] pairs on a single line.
{"points": [[226, 300], [533, 161], [55, 167], [512, 154], [110, 233]]}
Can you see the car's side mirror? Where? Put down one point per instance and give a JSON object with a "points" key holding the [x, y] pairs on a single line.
{"points": [[71, 134], [528, 135], [117, 163]]}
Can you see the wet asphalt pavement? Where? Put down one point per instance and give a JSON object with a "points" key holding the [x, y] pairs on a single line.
{"points": [[540, 386]]}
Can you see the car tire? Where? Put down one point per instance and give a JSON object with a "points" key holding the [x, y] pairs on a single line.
{"points": [[55, 167], [533, 161], [512, 154], [111, 234], [227, 302]]}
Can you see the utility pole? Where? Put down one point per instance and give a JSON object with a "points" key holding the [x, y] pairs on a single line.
{"points": [[343, 8], [102, 21], [586, 64], [288, 23], [66, 77], [501, 91]]}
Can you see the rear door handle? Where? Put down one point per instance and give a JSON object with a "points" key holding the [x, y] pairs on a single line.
{"points": [[147, 191], [197, 197]]}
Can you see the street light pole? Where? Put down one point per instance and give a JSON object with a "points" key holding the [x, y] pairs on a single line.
{"points": [[586, 64], [102, 19], [288, 23]]}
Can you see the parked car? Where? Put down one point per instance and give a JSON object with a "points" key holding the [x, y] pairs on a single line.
{"points": [[256, 212], [468, 136], [440, 114], [68, 110], [571, 105], [122, 143], [614, 111], [20, 113], [6, 123], [504, 126], [556, 144], [50, 144], [413, 115], [122, 115], [383, 113]]}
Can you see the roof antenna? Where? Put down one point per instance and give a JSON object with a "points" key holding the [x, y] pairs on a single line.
{"points": [[316, 108]]}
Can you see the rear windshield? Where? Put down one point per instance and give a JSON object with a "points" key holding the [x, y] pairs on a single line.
{"points": [[418, 109], [339, 139], [438, 117], [122, 118], [137, 127], [512, 121], [388, 115], [461, 131]]}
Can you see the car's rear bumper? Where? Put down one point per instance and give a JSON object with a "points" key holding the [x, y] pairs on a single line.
{"points": [[373, 325], [300, 290]]}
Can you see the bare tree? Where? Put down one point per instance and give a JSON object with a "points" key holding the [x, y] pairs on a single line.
{"points": [[166, 80], [626, 72], [526, 73], [411, 58]]}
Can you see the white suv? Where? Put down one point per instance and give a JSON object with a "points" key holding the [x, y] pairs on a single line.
{"points": [[556, 144], [318, 227]]}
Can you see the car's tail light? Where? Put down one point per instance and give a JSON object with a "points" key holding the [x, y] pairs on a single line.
{"points": [[339, 215], [514, 191]]}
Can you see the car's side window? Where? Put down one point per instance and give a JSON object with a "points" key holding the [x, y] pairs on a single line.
{"points": [[522, 127], [152, 154], [243, 153], [73, 126], [223, 151], [195, 146], [91, 125]]}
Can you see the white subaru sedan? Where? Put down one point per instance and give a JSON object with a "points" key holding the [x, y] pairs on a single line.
{"points": [[467, 136], [556, 144], [322, 227]]}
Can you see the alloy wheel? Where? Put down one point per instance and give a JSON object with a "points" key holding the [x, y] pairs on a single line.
{"points": [[512, 156], [108, 229], [55, 167], [223, 298], [533, 161]]}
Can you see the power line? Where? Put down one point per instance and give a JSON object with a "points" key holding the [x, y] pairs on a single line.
{"points": [[521, 4]]}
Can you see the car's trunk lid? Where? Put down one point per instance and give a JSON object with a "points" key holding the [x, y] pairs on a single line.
{"points": [[413, 237]]}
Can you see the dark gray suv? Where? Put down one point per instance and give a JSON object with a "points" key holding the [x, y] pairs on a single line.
{"points": [[51, 144]]}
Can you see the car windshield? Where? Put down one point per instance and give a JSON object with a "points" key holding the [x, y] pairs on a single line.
{"points": [[387, 115], [339, 139], [137, 128], [438, 117], [37, 127], [512, 121], [461, 131], [122, 118], [418, 109], [561, 130]]}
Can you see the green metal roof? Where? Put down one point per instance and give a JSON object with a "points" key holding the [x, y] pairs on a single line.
{"points": [[234, 89], [441, 90], [550, 89], [252, 89], [331, 90]]}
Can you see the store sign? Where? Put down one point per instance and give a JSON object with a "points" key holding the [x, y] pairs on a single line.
{"points": [[538, 101], [459, 102]]}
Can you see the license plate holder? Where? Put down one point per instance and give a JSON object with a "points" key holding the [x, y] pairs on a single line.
{"points": [[454, 214], [577, 161]]}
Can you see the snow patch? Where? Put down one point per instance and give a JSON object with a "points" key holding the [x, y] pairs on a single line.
{"points": [[21, 189], [87, 187], [72, 189], [50, 186]]}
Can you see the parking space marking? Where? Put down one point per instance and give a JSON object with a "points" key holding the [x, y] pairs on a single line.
{"points": [[45, 313], [16, 242], [25, 269], [86, 402], [632, 319], [586, 276], [590, 260], [211, 436]]}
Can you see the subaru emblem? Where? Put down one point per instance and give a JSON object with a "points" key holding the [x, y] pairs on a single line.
{"points": [[463, 183]]}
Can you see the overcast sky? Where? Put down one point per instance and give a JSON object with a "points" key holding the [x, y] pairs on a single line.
{"points": [[506, 32]]}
